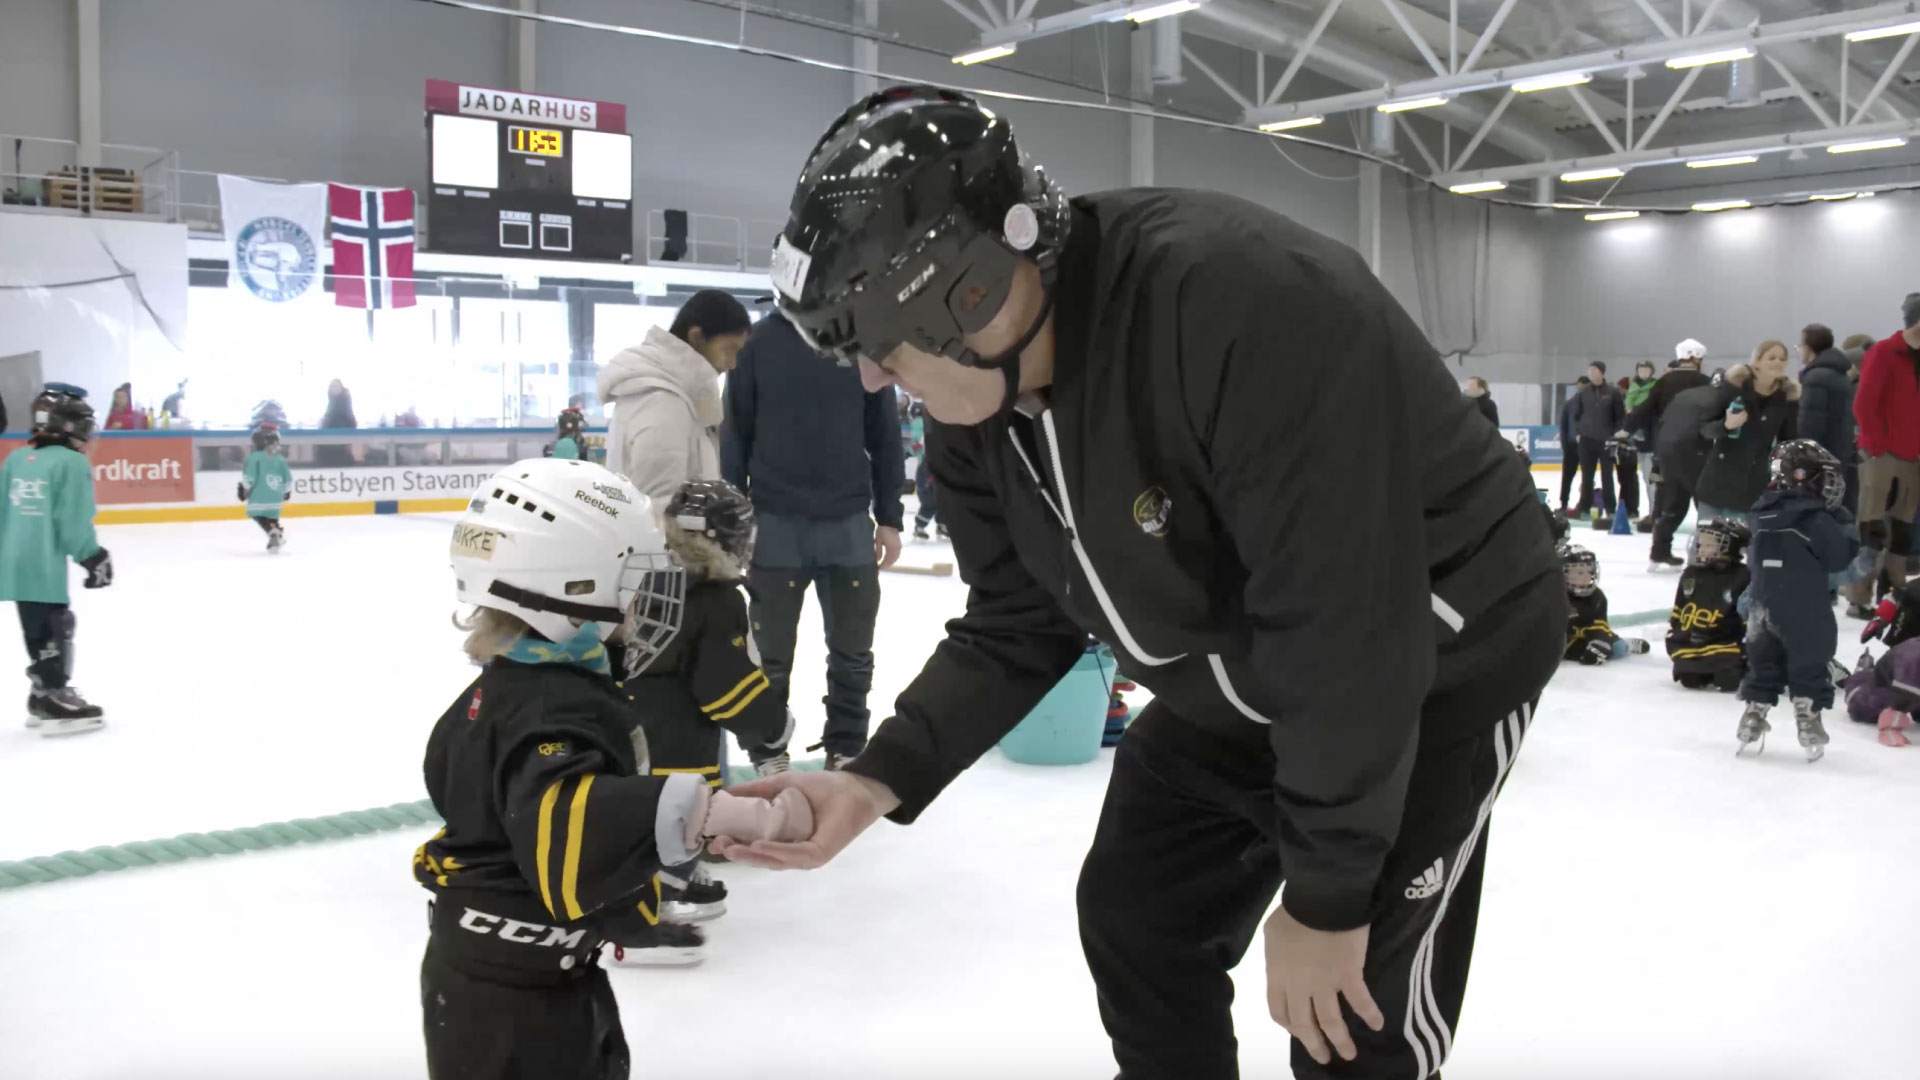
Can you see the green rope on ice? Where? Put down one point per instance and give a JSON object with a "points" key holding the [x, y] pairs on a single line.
{"points": [[173, 849]]}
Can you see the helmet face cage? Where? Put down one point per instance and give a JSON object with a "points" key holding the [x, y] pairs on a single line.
{"points": [[1581, 571], [61, 412], [655, 605], [1805, 465], [1717, 543]]}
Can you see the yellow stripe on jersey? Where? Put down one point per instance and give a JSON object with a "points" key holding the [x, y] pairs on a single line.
{"points": [[1706, 650], [543, 848], [576, 828], [745, 701], [701, 769], [739, 688]]}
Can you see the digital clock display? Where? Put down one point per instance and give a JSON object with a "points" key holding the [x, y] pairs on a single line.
{"points": [[542, 141]]}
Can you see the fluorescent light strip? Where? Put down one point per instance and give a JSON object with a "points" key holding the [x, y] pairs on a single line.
{"points": [[1722, 162], [1723, 56], [981, 56], [1614, 215], [1723, 204], [1838, 196], [1551, 82], [1591, 174], [1885, 32], [1413, 103], [1296, 122], [1480, 188], [1161, 11], [1871, 144]]}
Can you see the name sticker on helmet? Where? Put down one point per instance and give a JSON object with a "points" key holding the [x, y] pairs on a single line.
{"points": [[789, 269], [474, 542]]}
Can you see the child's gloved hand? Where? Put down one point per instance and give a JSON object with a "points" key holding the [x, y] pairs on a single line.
{"points": [[241, 490], [1598, 652], [786, 817], [1893, 728], [99, 568]]}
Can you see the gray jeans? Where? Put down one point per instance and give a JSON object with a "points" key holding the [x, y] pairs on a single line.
{"points": [[835, 555]]}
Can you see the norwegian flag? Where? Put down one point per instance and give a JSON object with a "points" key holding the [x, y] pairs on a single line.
{"points": [[372, 246]]}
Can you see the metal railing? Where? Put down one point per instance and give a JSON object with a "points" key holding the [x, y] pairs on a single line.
{"points": [[716, 241], [133, 181]]}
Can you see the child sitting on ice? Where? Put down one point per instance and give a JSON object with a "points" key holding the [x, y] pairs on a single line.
{"points": [[1706, 636], [1589, 639], [1886, 693], [1800, 536]]}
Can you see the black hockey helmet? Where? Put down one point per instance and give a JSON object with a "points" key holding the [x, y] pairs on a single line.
{"points": [[266, 436], [1805, 465], [908, 222], [61, 412], [1718, 542], [1580, 569], [718, 511], [572, 422]]}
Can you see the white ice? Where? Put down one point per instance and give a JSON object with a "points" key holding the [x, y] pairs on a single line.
{"points": [[1655, 907]]}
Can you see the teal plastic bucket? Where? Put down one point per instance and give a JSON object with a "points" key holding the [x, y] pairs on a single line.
{"points": [[1065, 728]]}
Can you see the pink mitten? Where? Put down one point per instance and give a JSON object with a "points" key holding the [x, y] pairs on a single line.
{"points": [[1893, 725], [786, 818]]}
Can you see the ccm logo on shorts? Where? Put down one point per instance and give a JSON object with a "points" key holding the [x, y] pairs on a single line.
{"points": [[520, 933]]}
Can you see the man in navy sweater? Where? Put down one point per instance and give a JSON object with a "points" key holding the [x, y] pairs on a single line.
{"points": [[821, 459]]}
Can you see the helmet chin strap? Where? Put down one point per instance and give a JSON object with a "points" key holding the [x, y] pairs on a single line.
{"points": [[1009, 362]]}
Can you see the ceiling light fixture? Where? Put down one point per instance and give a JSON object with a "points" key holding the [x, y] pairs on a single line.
{"points": [[1722, 162], [1296, 122], [1614, 215], [1591, 174], [1885, 32], [1722, 56], [981, 56], [1721, 204], [1161, 11], [1413, 103], [1834, 196], [1479, 188], [1870, 144], [1552, 82]]}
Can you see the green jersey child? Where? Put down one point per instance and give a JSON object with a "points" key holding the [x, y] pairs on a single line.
{"points": [[46, 518], [570, 433], [265, 483]]}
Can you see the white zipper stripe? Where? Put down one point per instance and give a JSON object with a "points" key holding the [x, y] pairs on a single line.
{"points": [[1226, 687], [1447, 614], [1065, 510]]}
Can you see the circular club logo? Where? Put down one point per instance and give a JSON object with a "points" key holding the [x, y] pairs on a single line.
{"points": [[277, 259]]}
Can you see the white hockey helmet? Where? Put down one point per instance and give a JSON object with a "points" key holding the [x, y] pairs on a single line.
{"points": [[558, 543], [1690, 350]]}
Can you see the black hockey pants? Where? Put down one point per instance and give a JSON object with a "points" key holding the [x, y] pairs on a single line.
{"points": [[48, 632]]}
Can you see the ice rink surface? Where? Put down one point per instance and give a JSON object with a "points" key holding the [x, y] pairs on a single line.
{"points": [[1655, 908]]}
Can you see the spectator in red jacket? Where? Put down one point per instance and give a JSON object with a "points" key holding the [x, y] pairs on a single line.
{"points": [[1887, 407], [123, 416]]}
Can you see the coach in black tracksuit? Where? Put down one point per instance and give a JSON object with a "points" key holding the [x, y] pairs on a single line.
{"points": [[1345, 609]]}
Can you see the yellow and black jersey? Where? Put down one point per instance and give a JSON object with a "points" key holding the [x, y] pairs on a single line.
{"points": [[1705, 633], [535, 771], [708, 675], [1587, 623]]}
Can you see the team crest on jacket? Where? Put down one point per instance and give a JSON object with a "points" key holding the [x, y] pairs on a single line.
{"points": [[1151, 510], [1686, 588]]}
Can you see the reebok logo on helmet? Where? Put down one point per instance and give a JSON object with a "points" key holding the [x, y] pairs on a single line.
{"points": [[596, 504]]}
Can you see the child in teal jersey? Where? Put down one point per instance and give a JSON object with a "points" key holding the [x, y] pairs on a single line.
{"points": [[46, 518], [265, 483]]}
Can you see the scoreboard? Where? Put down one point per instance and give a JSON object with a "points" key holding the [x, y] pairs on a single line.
{"points": [[527, 175]]}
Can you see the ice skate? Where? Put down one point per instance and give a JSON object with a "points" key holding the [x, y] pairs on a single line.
{"points": [[774, 766], [63, 712], [1837, 671], [701, 900], [920, 531], [1663, 564], [276, 540], [1753, 728], [1813, 734], [665, 945]]}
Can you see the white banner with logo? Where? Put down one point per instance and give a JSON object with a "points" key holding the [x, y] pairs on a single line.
{"points": [[274, 234]]}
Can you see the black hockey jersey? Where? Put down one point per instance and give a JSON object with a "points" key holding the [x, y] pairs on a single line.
{"points": [[1705, 633], [708, 674], [1586, 624], [534, 770]]}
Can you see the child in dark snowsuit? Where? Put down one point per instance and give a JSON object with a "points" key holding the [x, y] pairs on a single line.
{"points": [[1589, 639], [1706, 637], [1800, 536]]}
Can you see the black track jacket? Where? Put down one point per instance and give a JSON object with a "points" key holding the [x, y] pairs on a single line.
{"points": [[1256, 480]]}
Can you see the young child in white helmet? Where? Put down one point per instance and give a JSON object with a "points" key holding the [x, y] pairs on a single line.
{"points": [[552, 814]]}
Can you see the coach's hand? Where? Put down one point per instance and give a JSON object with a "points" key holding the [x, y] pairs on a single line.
{"points": [[1308, 971], [843, 806]]}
